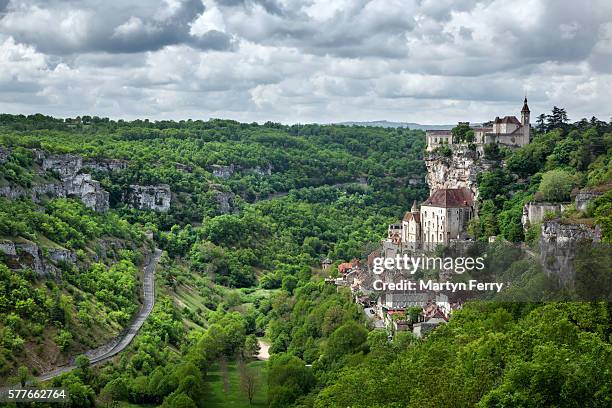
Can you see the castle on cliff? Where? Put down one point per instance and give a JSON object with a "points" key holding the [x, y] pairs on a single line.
{"points": [[445, 215], [507, 131]]}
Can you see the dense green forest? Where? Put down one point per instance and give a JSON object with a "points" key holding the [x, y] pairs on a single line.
{"points": [[231, 276]]}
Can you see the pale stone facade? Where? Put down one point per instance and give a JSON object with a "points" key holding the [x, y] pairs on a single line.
{"points": [[507, 131], [442, 218]]}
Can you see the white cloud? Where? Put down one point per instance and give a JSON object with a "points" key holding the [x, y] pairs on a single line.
{"points": [[289, 60]]}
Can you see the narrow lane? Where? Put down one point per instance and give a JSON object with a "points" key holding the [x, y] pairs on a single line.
{"points": [[119, 344]]}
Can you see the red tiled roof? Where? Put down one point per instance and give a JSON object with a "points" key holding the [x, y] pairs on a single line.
{"points": [[451, 198]]}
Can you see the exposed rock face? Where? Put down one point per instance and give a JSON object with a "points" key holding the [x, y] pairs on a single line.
{"points": [[106, 165], [459, 170], [533, 212], [156, 198], [81, 186], [226, 172], [90, 192], [29, 255], [584, 198], [223, 172], [558, 243], [65, 165], [4, 154], [183, 167], [225, 201], [260, 170], [23, 255], [61, 255]]}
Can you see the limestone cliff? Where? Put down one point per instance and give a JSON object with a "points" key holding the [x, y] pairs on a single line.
{"points": [[458, 170], [558, 243], [26, 254], [106, 165], [71, 182], [156, 198]]}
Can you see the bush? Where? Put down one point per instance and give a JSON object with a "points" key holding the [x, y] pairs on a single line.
{"points": [[557, 185]]}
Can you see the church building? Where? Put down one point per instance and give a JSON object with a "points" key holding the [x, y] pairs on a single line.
{"points": [[507, 131], [443, 216]]}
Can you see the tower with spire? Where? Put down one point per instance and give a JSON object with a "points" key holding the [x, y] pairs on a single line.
{"points": [[526, 127]]}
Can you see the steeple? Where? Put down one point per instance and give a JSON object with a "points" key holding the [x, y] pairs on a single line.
{"points": [[525, 107], [414, 207], [525, 123]]}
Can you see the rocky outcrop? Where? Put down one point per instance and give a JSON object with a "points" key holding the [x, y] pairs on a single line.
{"points": [[64, 165], [89, 190], [106, 165], [226, 172], [225, 201], [260, 170], [43, 261], [61, 255], [223, 172], [156, 198], [81, 185], [558, 244], [183, 167], [22, 256], [584, 198], [534, 212], [458, 170], [4, 154]]}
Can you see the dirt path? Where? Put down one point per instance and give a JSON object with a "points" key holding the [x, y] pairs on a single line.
{"points": [[119, 344], [264, 350]]}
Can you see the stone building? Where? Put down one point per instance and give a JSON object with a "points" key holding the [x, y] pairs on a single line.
{"points": [[507, 131], [443, 217]]}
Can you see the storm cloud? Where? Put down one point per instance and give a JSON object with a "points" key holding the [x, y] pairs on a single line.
{"points": [[428, 61]]}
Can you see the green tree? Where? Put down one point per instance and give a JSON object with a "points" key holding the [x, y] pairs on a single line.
{"points": [[556, 185]]}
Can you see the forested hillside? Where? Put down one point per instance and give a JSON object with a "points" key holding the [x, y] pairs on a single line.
{"points": [[251, 206], [245, 213]]}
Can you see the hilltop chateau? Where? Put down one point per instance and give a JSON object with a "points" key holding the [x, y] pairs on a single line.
{"points": [[444, 216], [507, 131]]}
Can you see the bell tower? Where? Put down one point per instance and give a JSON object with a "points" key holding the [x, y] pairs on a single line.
{"points": [[525, 123]]}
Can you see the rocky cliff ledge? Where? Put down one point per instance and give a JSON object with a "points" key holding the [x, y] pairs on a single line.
{"points": [[106, 165], [558, 243], [458, 170], [71, 182], [156, 198], [26, 254]]}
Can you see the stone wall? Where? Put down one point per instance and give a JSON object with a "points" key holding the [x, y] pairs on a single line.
{"points": [[558, 243], [534, 212], [156, 198]]}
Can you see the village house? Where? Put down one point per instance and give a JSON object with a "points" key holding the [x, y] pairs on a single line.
{"points": [[507, 131]]}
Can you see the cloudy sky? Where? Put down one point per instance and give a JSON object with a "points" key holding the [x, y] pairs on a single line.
{"points": [[426, 61]]}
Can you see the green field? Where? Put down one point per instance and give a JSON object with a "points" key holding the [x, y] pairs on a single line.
{"points": [[215, 390]]}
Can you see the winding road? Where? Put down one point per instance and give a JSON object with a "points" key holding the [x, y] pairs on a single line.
{"points": [[119, 343]]}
